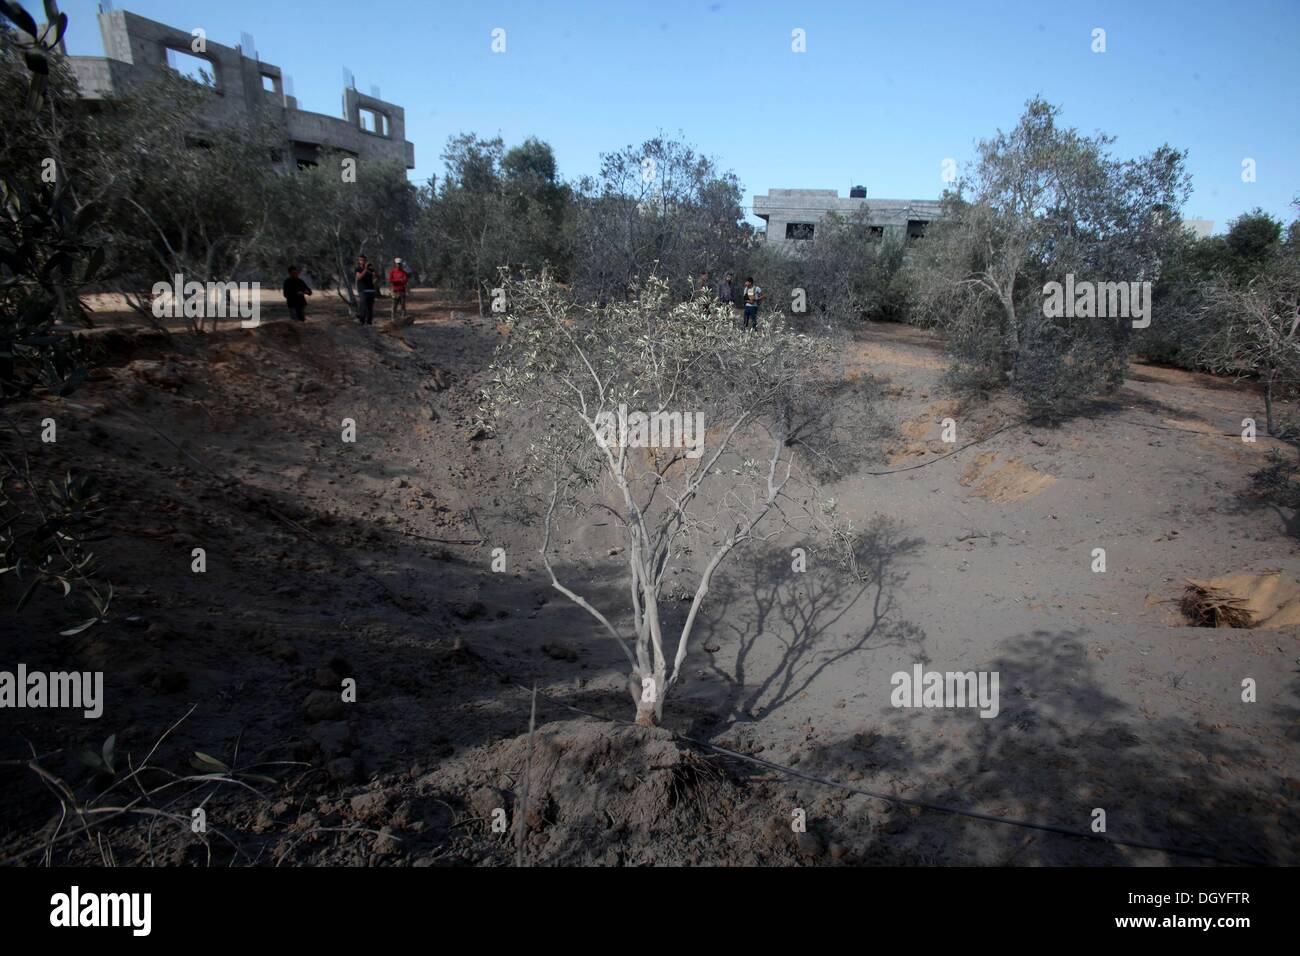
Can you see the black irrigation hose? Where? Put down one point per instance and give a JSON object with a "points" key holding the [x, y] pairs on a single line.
{"points": [[235, 484], [1190, 431], [955, 451], [905, 801]]}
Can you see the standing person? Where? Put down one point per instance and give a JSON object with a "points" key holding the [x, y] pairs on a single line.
{"points": [[295, 295], [700, 289], [726, 294], [398, 280], [753, 296], [367, 289]]}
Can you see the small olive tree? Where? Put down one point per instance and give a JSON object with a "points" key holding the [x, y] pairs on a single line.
{"points": [[674, 422], [1258, 322]]}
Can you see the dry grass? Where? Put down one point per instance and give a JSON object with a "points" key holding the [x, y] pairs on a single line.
{"points": [[1205, 606]]}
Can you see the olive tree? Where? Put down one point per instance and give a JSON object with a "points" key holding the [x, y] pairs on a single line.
{"points": [[182, 194], [46, 257], [847, 272], [1188, 330], [666, 418], [1043, 200], [1258, 321], [659, 208]]}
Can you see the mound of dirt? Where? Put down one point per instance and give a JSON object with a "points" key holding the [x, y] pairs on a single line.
{"points": [[921, 434], [602, 794], [1271, 599], [1013, 481]]}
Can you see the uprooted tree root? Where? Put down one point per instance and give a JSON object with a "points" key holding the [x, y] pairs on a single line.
{"points": [[1205, 606]]}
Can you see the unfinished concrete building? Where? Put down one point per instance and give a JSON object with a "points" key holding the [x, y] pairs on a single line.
{"points": [[137, 50], [792, 215]]}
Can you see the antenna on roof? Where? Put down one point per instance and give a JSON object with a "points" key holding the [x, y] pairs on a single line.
{"points": [[247, 45]]}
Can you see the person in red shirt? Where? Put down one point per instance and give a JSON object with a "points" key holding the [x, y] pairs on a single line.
{"points": [[398, 280]]}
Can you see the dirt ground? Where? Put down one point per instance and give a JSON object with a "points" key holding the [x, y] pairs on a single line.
{"points": [[371, 560]]}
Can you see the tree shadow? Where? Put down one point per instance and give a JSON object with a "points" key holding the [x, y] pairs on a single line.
{"points": [[798, 613], [838, 426], [1061, 748]]}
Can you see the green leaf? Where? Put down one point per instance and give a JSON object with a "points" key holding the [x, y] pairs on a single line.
{"points": [[260, 778], [19, 16], [208, 763]]}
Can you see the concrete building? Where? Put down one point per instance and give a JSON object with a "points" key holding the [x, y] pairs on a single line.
{"points": [[792, 215], [1200, 228], [137, 50]]}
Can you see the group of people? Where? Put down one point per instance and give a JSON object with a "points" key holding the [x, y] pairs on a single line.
{"points": [[368, 283], [749, 296]]}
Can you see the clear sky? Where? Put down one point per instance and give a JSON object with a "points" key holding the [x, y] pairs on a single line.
{"points": [[884, 93]]}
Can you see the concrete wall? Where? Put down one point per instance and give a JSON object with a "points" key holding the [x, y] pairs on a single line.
{"points": [[780, 207], [136, 52]]}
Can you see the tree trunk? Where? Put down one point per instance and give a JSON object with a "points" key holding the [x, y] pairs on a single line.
{"points": [[650, 701], [650, 705], [345, 282], [1268, 403], [1012, 353]]}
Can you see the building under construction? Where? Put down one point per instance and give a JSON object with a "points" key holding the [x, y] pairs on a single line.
{"points": [[137, 50], [792, 215]]}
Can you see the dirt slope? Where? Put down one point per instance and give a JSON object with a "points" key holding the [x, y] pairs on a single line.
{"points": [[381, 574]]}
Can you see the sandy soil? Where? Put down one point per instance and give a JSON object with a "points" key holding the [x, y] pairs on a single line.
{"points": [[982, 560]]}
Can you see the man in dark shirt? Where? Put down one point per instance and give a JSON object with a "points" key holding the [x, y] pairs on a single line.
{"points": [[725, 293], [753, 296], [367, 289], [295, 295]]}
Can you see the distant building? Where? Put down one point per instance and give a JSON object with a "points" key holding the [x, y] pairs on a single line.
{"points": [[1200, 228], [793, 215], [137, 50]]}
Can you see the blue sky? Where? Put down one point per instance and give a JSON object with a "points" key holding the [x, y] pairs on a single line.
{"points": [[885, 92]]}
